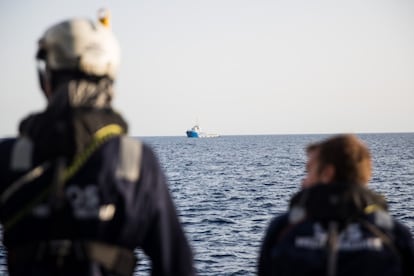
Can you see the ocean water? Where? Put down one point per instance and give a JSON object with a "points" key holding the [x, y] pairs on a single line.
{"points": [[227, 189]]}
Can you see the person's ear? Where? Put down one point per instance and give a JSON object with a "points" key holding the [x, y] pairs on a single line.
{"points": [[327, 174]]}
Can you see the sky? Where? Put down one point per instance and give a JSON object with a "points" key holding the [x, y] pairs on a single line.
{"points": [[235, 67]]}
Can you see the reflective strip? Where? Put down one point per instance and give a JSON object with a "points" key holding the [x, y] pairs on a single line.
{"points": [[21, 156], [381, 217], [129, 159]]}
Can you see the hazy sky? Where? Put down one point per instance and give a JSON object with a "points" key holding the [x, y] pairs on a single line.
{"points": [[234, 66]]}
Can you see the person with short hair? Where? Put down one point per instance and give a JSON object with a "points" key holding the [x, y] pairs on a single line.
{"points": [[336, 225], [77, 194]]}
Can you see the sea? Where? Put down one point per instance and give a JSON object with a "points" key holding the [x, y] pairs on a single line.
{"points": [[227, 189]]}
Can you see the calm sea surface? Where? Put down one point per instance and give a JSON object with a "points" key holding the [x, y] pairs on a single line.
{"points": [[227, 189]]}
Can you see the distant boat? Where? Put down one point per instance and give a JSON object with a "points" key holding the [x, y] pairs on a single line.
{"points": [[195, 132]]}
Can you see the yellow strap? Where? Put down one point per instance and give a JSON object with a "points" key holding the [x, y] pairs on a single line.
{"points": [[112, 129], [372, 208]]}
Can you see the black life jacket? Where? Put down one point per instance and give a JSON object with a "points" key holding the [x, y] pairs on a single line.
{"points": [[71, 205], [336, 230]]}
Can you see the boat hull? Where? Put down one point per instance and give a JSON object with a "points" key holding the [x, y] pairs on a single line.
{"points": [[192, 134]]}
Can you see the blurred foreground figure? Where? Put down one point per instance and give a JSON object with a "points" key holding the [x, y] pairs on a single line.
{"points": [[78, 195], [336, 225]]}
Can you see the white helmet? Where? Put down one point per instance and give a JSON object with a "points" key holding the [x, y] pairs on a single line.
{"points": [[80, 45]]}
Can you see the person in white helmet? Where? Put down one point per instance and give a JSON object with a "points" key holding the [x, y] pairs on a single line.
{"points": [[77, 195]]}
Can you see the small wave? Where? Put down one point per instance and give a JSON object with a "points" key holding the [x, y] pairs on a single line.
{"points": [[223, 255], [218, 221]]}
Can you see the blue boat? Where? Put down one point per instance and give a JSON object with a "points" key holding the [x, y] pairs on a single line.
{"points": [[195, 132]]}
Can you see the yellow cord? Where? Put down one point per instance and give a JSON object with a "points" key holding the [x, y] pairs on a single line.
{"points": [[372, 208]]}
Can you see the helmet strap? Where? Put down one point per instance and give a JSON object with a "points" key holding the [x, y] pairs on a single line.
{"points": [[44, 78]]}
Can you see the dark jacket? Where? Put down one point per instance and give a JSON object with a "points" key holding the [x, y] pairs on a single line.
{"points": [[336, 230], [112, 195]]}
